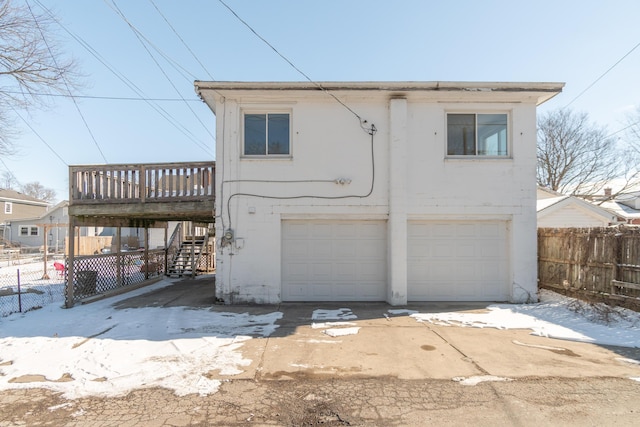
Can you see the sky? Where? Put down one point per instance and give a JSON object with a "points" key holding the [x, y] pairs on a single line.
{"points": [[570, 41], [124, 349]]}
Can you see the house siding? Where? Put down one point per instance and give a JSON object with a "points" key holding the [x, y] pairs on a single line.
{"points": [[572, 216], [20, 210]]}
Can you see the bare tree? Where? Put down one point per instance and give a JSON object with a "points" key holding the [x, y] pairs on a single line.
{"points": [[37, 190], [577, 157], [633, 131], [8, 181], [31, 64]]}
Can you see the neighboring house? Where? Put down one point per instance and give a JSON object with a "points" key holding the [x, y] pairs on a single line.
{"points": [[626, 207], [368, 191], [15, 206], [569, 211], [30, 232]]}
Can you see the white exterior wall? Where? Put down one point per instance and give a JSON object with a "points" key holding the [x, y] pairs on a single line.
{"points": [[573, 216], [413, 181]]}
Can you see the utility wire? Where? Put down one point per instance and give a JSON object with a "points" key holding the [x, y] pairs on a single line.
{"points": [[623, 129], [140, 39], [64, 80], [109, 98], [9, 170], [603, 74], [186, 74], [41, 138], [180, 38], [127, 82], [318, 85]]}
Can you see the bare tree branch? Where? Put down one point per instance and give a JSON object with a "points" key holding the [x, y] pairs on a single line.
{"points": [[37, 190], [29, 66], [576, 157]]}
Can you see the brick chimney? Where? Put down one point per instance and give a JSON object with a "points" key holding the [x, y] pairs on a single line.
{"points": [[607, 192]]}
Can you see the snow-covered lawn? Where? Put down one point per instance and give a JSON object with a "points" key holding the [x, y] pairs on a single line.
{"points": [[36, 291], [95, 349]]}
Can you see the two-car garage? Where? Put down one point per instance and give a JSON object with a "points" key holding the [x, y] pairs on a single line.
{"points": [[346, 260]]}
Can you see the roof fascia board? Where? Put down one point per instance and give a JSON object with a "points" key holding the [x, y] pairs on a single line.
{"points": [[540, 92]]}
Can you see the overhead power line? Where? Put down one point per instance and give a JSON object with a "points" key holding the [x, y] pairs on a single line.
{"points": [[109, 98], [41, 138], [131, 85], [318, 85], [603, 74], [142, 40], [182, 40], [64, 80]]}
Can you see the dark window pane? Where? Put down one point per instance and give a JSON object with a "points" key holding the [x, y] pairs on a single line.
{"points": [[461, 134], [278, 134], [255, 134], [492, 134]]}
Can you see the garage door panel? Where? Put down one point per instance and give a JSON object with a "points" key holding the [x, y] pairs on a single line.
{"points": [[349, 259], [321, 249], [345, 249], [457, 260], [299, 249], [320, 271]]}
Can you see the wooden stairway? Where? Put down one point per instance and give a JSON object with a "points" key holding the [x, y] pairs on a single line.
{"points": [[187, 257]]}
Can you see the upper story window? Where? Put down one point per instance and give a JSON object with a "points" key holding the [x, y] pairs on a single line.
{"points": [[8, 207], [267, 134], [477, 135]]}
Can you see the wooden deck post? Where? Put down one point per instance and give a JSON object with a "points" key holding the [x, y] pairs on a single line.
{"points": [[70, 263]]}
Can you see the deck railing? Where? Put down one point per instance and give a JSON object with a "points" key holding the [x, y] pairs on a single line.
{"points": [[140, 183]]}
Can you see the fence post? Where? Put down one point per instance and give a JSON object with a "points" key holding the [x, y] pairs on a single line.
{"points": [[617, 255], [19, 292], [71, 263]]}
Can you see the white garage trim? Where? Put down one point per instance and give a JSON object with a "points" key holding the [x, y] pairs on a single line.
{"points": [[458, 261], [333, 260]]}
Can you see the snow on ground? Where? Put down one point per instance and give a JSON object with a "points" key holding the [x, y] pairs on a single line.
{"points": [[341, 332], [479, 379], [335, 329], [555, 316], [95, 349]]}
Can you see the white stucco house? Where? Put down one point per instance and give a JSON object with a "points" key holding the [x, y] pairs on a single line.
{"points": [[371, 191]]}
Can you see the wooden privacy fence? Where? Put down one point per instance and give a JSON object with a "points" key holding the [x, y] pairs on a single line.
{"points": [[588, 263]]}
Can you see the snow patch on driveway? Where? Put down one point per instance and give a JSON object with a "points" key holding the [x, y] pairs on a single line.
{"points": [[479, 379]]}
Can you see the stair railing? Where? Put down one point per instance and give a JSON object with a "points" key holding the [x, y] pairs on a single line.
{"points": [[173, 247]]}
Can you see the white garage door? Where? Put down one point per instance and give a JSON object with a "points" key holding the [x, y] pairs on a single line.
{"points": [[457, 261], [326, 260]]}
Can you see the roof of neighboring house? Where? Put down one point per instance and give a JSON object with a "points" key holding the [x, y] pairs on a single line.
{"points": [[547, 206], [537, 92], [15, 196], [621, 209], [546, 193], [42, 217]]}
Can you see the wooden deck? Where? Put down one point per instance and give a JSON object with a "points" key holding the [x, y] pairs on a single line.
{"points": [[138, 195]]}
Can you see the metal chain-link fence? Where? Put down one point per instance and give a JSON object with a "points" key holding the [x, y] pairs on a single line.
{"points": [[98, 274], [25, 287]]}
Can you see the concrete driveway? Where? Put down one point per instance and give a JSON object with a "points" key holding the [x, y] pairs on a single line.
{"points": [[396, 345], [393, 371]]}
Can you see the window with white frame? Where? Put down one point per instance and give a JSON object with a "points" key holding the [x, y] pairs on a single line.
{"points": [[8, 207], [477, 134], [29, 230], [267, 134]]}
